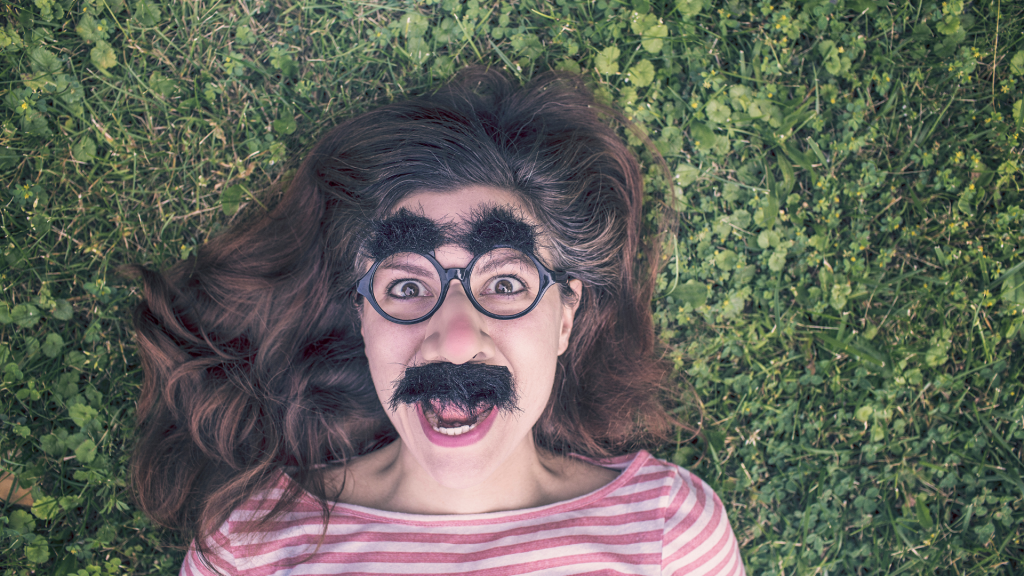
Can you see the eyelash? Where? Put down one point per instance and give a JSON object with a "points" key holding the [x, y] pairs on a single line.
{"points": [[394, 283], [521, 282]]}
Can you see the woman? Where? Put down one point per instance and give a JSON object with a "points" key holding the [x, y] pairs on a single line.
{"points": [[434, 356]]}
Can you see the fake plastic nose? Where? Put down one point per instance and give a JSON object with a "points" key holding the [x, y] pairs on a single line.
{"points": [[456, 333]]}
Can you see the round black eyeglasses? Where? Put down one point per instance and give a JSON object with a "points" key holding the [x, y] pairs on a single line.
{"points": [[502, 283]]}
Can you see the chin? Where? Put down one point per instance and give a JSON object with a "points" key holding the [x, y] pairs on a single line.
{"points": [[470, 464]]}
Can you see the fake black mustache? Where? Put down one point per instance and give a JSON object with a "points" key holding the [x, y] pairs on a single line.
{"points": [[462, 386]]}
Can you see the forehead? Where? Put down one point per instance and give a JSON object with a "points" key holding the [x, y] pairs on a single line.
{"points": [[463, 205]]}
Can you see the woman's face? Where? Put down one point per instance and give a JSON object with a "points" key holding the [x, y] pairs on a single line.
{"points": [[528, 346]]}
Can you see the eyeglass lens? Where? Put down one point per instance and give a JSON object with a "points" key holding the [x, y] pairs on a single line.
{"points": [[504, 281]]}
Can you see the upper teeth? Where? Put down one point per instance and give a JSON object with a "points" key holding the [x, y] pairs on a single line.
{"points": [[454, 431]]}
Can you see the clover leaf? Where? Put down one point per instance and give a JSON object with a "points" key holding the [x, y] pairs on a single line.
{"points": [[92, 31], [948, 25], [1017, 63], [38, 551], [244, 36], [147, 12], [686, 174], [652, 38], [693, 293], [689, 7], [45, 508], [717, 112], [231, 197], [53, 345], [103, 55], [86, 451], [607, 61], [642, 73], [84, 150]]}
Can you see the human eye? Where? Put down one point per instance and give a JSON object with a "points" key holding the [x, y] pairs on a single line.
{"points": [[504, 286], [408, 288], [405, 277], [505, 275]]}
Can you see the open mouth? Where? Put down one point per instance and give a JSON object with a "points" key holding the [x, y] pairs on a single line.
{"points": [[453, 421]]}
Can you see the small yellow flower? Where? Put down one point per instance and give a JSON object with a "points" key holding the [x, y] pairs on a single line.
{"points": [[971, 187], [841, 50], [99, 28], [1005, 89], [833, 100], [694, 105], [24, 105]]}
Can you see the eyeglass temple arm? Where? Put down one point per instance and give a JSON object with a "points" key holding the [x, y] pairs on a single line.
{"points": [[560, 277]]}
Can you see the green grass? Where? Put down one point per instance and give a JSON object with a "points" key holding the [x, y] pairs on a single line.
{"points": [[845, 291]]}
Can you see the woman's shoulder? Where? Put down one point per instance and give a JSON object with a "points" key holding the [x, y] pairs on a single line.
{"points": [[697, 534], [645, 471]]}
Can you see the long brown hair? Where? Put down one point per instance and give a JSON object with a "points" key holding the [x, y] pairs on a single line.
{"points": [[251, 349]]}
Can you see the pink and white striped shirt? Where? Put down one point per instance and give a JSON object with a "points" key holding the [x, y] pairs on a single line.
{"points": [[654, 518]]}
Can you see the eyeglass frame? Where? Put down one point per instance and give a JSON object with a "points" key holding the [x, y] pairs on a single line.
{"points": [[547, 279]]}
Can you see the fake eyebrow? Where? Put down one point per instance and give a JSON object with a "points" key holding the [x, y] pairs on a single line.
{"points": [[405, 231], [498, 226]]}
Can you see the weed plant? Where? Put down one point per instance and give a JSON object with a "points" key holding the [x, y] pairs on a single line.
{"points": [[844, 290]]}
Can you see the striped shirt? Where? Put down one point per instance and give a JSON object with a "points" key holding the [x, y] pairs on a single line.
{"points": [[654, 518]]}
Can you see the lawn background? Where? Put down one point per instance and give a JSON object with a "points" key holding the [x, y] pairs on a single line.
{"points": [[844, 290]]}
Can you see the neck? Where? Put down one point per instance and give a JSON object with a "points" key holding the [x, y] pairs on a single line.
{"points": [[391, 479], [521, 482]]}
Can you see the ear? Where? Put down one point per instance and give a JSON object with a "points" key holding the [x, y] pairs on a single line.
{"points": [[569, 314], [361, 306]]}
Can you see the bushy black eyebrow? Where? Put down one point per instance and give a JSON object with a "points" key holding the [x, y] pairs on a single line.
{"points": [[498, 226], [405, 231]]}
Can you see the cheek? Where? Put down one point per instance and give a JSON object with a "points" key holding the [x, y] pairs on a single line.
{"points": [[537, 354], [384, 353]]}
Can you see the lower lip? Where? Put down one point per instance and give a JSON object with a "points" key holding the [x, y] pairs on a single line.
{"points": [[445, 441]]}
